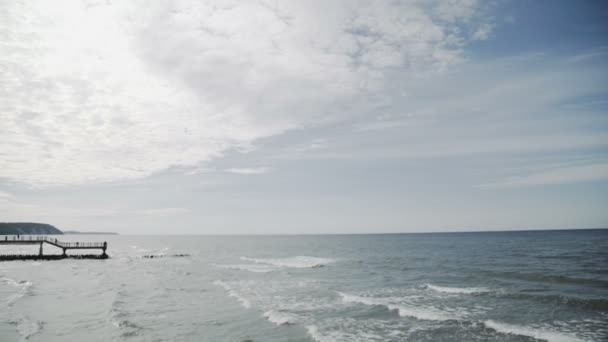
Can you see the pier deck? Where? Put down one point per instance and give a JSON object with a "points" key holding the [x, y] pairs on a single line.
{"points": [[40, 240]]}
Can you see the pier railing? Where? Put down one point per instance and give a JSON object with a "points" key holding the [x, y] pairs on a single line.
{"points": [[52, 241]]}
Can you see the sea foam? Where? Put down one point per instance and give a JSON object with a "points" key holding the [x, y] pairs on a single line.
{"points": [[460, 290], [279, 318], [313, 331], [22, 288], [232, 293], [404, 310], [537, 333], [27, 327], [249, 268], [292, 262]]}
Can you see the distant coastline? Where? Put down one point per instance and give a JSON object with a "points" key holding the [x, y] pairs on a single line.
{"points": [[28, 228]]}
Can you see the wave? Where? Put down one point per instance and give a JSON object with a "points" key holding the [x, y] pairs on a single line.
{"points": [[547, 278], [313, 331], [402, 309], [232, 293], [279, 318], [543, 334], [120, 316], [536, 333], [292, 262], [459, 290], [600, 304], [250, 268], [23, 288], [26, 328]]}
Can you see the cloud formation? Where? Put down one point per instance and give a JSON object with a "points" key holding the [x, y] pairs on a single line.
{"points": [[101, 91], [561, 175], [249, 170]]}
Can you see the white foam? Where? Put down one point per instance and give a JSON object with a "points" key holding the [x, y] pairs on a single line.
{"points": [[232, 293], [403, 309], [22, 288], [292, 262], [463, 290], [537, 333], [279, 318], [313, 331], [27, 327], [250, 268], [359, 332]]}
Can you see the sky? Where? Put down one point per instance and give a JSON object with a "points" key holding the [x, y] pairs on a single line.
{"points": [[304, 117]]}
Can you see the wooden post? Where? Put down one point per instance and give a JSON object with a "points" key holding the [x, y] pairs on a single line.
{"points": [[40, 251]]}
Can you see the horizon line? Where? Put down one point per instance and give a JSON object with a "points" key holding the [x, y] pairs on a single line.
{"points": [[338, 234]]}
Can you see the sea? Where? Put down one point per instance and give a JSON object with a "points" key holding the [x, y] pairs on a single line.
{"points": [[482, 286]]}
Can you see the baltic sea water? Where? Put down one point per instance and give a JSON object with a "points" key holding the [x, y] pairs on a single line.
{"points": [[492, 286]]}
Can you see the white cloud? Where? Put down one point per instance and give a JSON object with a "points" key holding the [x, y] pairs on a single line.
{"points": [[96, 92], [5, 198], [314, 145], [5, 195], [249, 170], [17, 210], [562, 175], [483, 32], [160, 212]]}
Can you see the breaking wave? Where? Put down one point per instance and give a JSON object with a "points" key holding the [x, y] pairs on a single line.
{"points": [[22, 288], [460, 290], [536, 333], [26, 327], [313, 331], [249, 268], [232, 293], [403, 309], [279, 318], [292, 262]]}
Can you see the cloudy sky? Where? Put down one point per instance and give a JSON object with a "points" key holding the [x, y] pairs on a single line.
{"points": [[263, 117]]}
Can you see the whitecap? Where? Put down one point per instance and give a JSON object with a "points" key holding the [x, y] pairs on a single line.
{"points": [[313, 331], [345, 333], [22, 288], [249, 268], [279, 318], [232, 293], [292, 262], [404, 310], [537, 333], [26, 327], [459, 290]]}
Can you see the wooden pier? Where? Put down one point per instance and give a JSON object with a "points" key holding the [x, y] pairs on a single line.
{"points": [[41, 240]]}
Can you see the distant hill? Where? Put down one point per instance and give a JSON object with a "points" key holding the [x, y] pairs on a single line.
{"points": [[27, 228]]}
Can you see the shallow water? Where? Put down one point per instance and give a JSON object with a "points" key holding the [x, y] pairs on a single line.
{"points": [[518, 286]]}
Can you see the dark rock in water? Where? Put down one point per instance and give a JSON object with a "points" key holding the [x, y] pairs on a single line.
{"points": [[28, 228], [152, 256]]}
